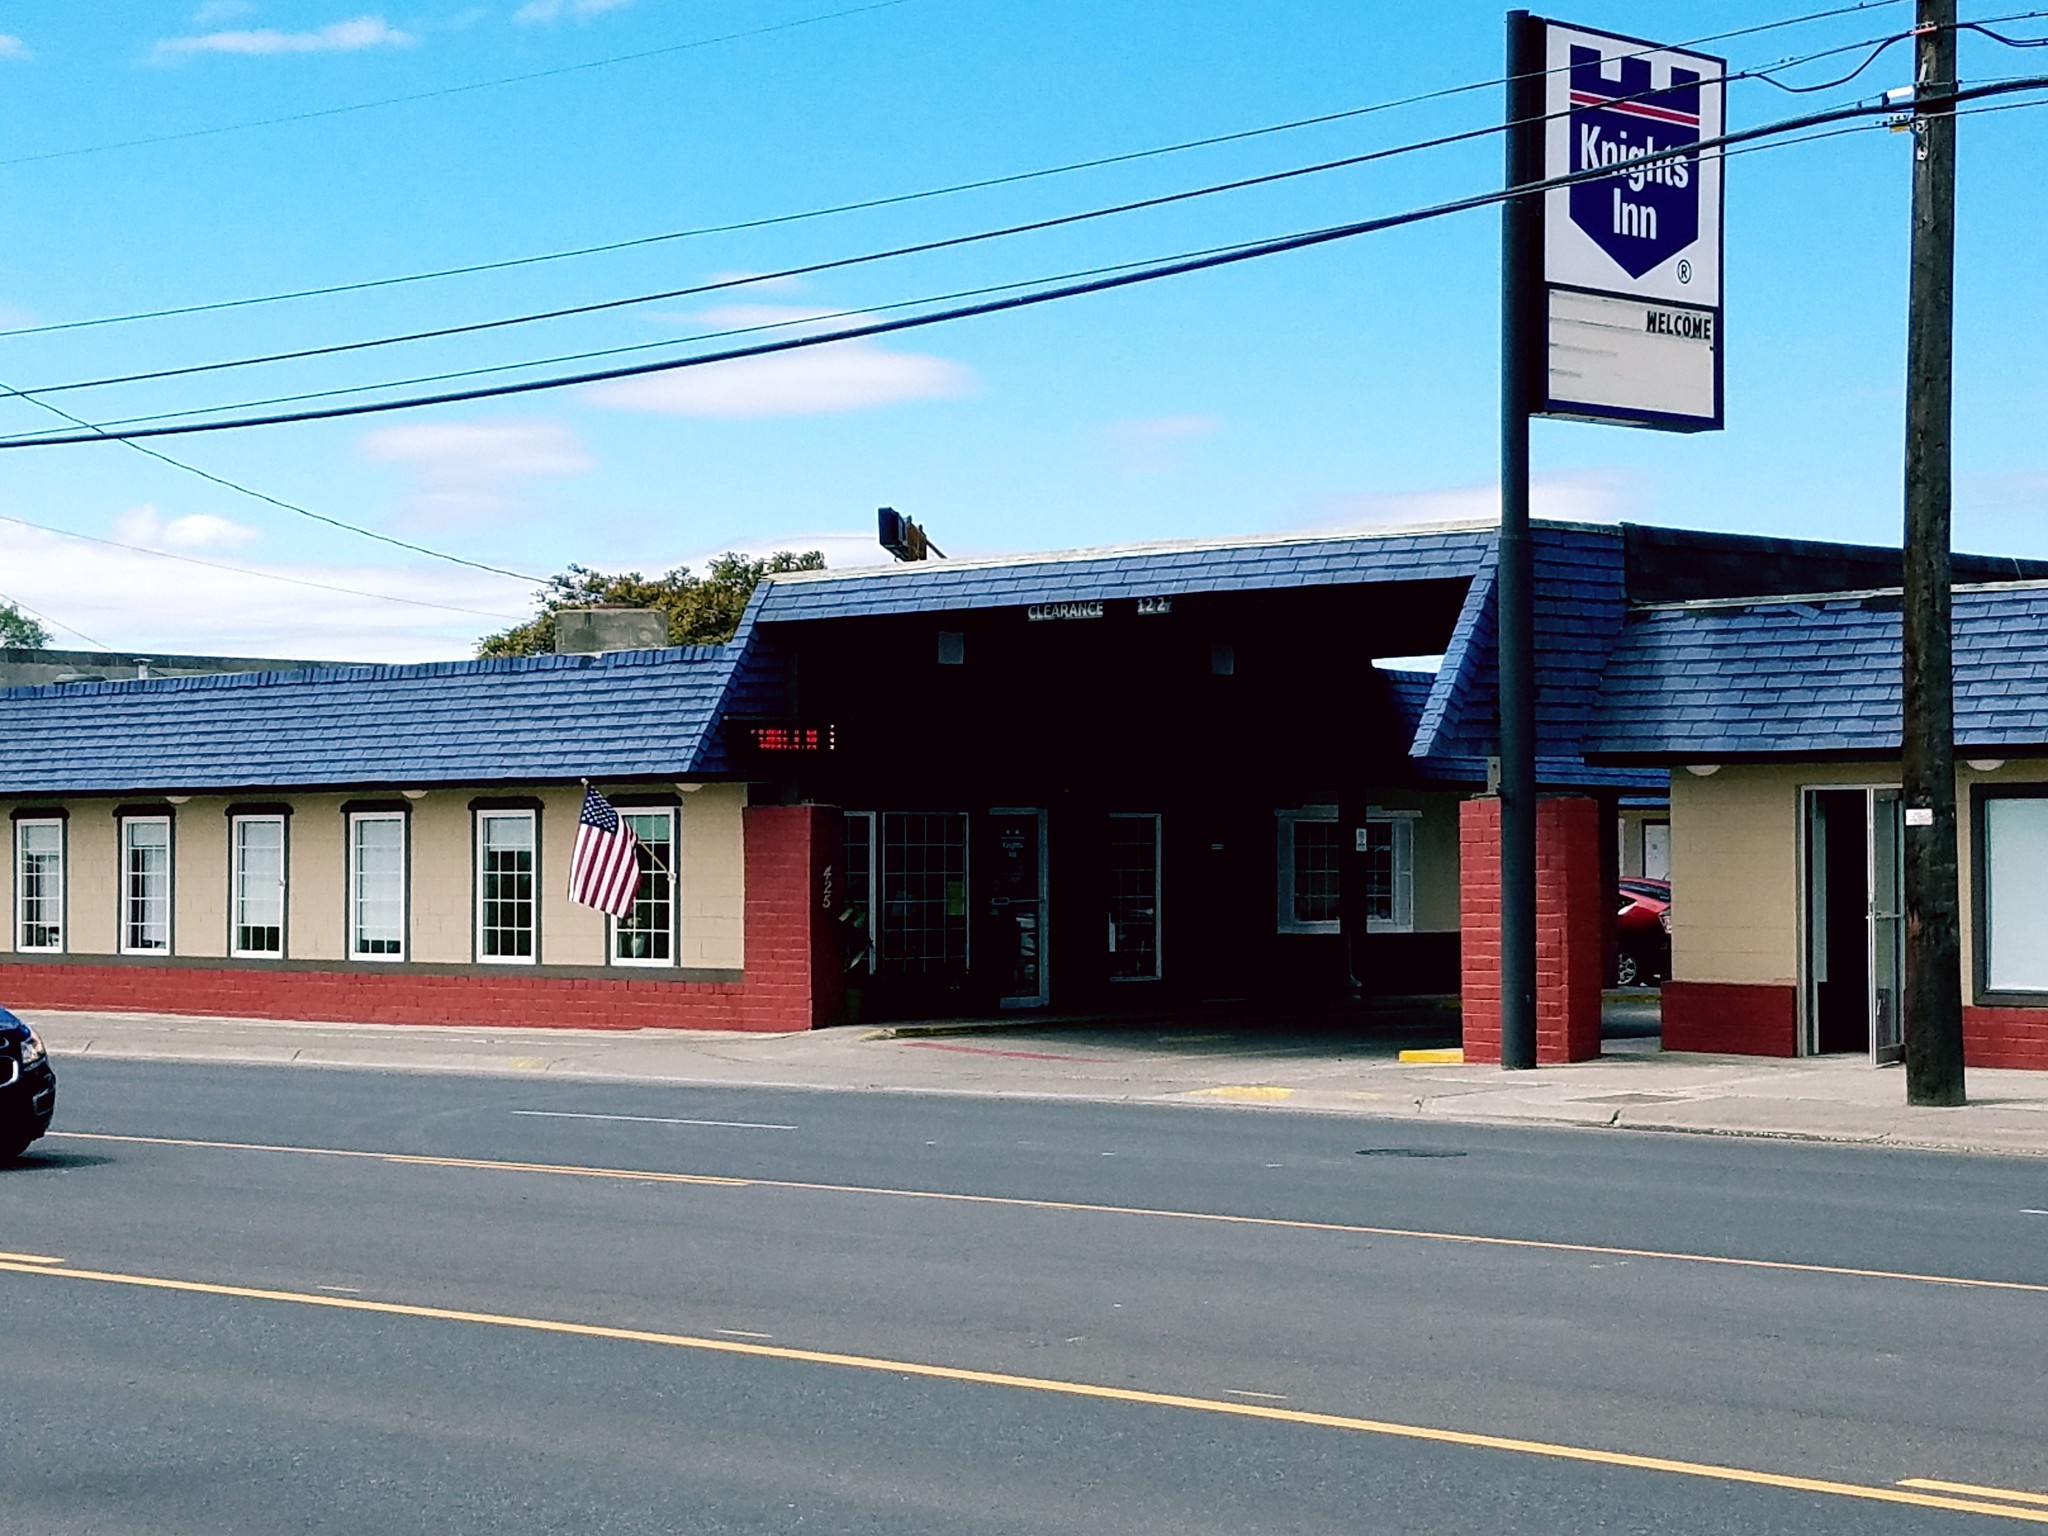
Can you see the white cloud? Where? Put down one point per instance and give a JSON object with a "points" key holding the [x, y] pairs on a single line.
{"points": [[196, 530], [337, 37], [1155, 445], [149, 605], [543, 12], [466, 471], [12, 47], [845, 376]]}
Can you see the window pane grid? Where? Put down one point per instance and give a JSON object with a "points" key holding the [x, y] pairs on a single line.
{"points": [[647, 933], [145, 886], [259, 886], [1316, 886], [377, 887], [1133, 898], [858, 855], [1379, 872], [39, 884], [924, 892], [505, 887]]}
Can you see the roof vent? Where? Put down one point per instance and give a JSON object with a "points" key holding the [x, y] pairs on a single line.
{"points": [[594, 631]]}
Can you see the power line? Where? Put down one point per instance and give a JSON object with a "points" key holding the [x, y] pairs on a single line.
{"points": [[775, 325], [1174, 268], [448, 90], [275, 501], [897, 199], [620, 351], [925, 247], [252, 571], [16, 603]]}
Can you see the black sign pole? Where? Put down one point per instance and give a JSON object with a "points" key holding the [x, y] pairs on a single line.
{"points": [[1521, 264]]}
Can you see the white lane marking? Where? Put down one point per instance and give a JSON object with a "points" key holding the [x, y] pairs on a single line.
{"points": [[1271, 1397], [741, 1333], [729, 1125], [340, 1290], [2024, 1212]]}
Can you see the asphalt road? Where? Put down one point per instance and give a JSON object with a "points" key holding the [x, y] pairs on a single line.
{"points": [[285, 1299]]}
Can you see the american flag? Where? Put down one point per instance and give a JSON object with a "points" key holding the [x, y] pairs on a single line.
{"points": [[605, 870]]}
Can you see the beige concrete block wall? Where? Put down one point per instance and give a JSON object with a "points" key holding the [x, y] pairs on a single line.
{"points": [[712, 864], [92, 873], [316, 878], [440, 853], [570, 934], [199, 877], [1435, 854]]}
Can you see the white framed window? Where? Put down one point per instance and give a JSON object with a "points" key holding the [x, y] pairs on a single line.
{"points": [[1387, 842], [1133, 896], [256, 875], [1310, 885], [2012, 912], [145, 885], [507, 847], [39, 884], [647, 934], [376, 885]]}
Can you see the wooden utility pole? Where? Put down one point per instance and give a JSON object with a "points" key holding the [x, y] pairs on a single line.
{"points": [[1933, 993]]}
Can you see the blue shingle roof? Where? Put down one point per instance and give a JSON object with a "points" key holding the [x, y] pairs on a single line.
{"points": [[632, 714], [1162, 571], [1816, 677], [1581, 600]]}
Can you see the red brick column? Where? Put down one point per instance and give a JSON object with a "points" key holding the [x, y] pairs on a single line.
{"points": [[1571, 911], [793, 978]]}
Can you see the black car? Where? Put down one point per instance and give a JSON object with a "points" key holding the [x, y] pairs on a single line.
{"points": [[28, 1087]]}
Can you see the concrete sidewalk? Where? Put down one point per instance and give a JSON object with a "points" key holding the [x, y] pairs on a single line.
{"points": [[1321, 1066]]}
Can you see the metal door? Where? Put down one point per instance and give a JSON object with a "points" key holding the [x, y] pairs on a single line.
{"points": [[1017, 906], [1887, 928]]}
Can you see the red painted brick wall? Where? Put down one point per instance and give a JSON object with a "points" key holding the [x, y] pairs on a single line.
{"points": [[791, 981], [1572, 898], [1731, 1018], [2005, 1037]]}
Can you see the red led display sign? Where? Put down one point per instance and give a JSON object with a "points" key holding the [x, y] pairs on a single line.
{"points": [[779, 738]]}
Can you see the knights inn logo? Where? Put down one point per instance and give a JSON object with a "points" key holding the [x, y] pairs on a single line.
{"points": [[1649, 210]]}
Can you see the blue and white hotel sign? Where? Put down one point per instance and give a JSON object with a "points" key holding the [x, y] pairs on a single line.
{"points": [[1632, 260]]}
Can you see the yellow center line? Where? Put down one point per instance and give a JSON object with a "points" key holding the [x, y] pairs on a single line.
{"points": [[1978, 1489], [28, 1258], [1019, 1202], [1386, 1428]]}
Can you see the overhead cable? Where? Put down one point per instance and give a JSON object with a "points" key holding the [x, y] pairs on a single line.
{"points": [[808, 269], [251, 571], [94, 432], [897, 199], [1176, 268]]}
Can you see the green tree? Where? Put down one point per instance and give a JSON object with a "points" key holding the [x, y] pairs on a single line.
{"points": [[18, 629], [702, 610]]}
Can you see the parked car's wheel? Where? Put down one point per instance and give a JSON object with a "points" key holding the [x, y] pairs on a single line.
{"points": [[10, 1150], [1628, 970]]}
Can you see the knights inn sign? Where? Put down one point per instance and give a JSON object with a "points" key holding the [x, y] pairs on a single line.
{"points": [[1632, 261]]}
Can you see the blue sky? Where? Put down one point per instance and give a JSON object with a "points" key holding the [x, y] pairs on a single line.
{"points": [[1345, 386]]}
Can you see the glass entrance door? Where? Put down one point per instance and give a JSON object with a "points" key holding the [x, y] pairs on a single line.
{"points": [[1017, 906], [1887, 928]]}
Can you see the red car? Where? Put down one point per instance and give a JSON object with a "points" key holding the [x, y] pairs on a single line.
{"points": [[1642, 932]]}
